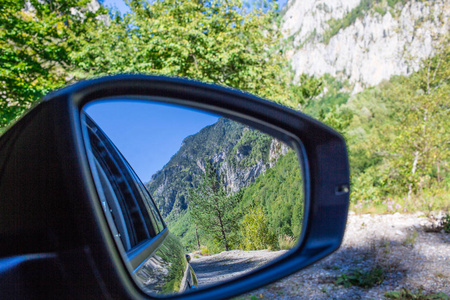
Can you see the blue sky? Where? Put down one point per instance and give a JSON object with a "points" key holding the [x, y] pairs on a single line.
{"points": [[148, 134], [118, 5]]}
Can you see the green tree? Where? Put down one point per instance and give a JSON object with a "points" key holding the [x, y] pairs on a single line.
{"points": [[212, 207], [419, 153], [255, 231], [35, 47]]}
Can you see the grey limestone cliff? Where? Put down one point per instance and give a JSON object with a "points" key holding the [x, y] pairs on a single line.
{"points": [[386, 38]]}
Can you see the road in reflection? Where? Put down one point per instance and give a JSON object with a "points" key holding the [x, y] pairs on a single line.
{"points": [[224, 266]]}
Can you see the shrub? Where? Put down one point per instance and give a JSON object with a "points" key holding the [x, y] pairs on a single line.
{"points": [[364, 279], [405, 294], [446, 223], [204, 251], [255, 231]]}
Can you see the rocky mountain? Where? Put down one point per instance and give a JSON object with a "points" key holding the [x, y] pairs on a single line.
{"points": [[240, 154], [364, 41]]}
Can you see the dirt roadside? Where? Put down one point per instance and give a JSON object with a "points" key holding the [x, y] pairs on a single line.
{"points": [[409, 256]]}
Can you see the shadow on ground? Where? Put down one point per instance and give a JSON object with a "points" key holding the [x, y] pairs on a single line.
{"points": [[215, 269]]}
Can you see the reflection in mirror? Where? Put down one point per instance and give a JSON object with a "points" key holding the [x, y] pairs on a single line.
{"points": [[192, 198]]}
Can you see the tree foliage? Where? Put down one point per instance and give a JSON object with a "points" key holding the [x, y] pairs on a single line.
{"points": [[213, 207], [35, 44], [309, 88], [419, 151], [255, 231], [253, 147], [212, 41]]}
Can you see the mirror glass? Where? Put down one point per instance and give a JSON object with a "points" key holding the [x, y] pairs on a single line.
{"points": [[192, 198]]}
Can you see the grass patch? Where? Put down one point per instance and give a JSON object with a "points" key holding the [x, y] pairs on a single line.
{"points": [[286, 242], [405, 294], [332, 267], [363, 279]]}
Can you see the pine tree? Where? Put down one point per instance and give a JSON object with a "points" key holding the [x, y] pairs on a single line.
{"points": [[212, 207]]}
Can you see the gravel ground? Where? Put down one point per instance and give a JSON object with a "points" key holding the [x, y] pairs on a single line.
{"points": [[228, 264], [399, 244]]}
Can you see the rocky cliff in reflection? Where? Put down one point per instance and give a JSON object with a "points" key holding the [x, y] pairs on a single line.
{"points": [[240, 154]]}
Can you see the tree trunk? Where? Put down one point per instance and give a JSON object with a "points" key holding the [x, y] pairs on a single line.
{"points": [[413, 171], [198, 240], [223, 234]]}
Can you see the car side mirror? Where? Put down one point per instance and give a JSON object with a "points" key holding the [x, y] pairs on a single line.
{"points": [[72, 204]]}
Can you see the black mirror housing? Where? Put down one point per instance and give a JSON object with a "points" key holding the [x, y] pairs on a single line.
{"points": [[50, 214]]}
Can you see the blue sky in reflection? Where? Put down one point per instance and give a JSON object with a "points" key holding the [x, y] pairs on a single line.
{"points": [[148, 134]]}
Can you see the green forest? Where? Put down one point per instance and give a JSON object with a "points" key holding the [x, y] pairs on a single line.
{"points": [[397, 132], [398, 135]]}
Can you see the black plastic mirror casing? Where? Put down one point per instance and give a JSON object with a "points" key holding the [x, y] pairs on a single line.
{"points": [[50, 214]]}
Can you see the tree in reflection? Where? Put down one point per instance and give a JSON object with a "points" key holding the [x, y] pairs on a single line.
{"points": [[212, 206], [255, 231]]}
